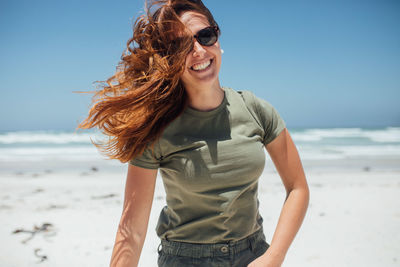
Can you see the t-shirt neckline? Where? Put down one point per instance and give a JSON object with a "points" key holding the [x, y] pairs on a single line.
{"points": [[209, 113]]}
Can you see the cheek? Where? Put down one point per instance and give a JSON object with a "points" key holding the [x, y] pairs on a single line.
{"points": [[187, 62], [185, 75], [185, 71], [217, 50], [218, 55]]}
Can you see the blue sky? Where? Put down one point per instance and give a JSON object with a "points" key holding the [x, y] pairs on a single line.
{"points": [[320, 63]]}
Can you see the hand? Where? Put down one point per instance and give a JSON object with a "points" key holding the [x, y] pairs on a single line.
{"points": [[266, 260]]}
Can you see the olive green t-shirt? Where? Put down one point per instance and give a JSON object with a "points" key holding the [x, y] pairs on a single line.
{"points": [[210, 162]]}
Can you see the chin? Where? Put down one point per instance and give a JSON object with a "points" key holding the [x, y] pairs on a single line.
{"points": [[208, 79]]}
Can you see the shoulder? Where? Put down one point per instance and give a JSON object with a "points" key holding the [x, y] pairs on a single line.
{"points": [[247, 97], [240, 95], [263, 113]]}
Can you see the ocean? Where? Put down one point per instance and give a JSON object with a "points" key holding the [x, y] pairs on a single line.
{"points": [[31, 148]]}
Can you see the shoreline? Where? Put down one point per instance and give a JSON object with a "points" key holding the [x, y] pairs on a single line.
{"points": [[87, 167]]}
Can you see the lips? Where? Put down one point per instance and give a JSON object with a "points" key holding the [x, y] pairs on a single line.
{"points": [[202, 66]]}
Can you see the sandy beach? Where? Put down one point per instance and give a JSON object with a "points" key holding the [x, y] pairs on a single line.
{"points": [[69, 216]]}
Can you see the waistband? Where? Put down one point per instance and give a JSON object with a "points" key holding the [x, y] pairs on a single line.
{"points": [[211, 250]]}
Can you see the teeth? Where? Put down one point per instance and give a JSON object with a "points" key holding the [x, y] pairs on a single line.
{"points": [[201, 66]]}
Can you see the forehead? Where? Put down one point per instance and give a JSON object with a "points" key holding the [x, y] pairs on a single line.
{"points": [[194, 21]]}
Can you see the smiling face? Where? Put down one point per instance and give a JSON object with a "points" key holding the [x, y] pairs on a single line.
{"points": [[203, 62]]}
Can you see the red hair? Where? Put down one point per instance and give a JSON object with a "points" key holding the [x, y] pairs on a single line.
{"points": [[145, 94]]}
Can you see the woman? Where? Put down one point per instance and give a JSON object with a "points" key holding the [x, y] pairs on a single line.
{"points": [[165, 109]]}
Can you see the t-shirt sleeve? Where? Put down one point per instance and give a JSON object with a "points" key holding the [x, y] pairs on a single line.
{"points": [[148, 159], [268, 118]]}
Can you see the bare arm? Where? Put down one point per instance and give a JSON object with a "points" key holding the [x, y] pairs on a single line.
{"points": [[139, 192], [284, 154]]}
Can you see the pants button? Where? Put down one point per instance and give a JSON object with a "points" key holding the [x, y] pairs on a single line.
{"points": [[224, 249]]}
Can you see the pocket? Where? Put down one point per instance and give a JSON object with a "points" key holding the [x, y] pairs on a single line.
{"points": [[161, 259], [261, 248], [244, 257], [168, 260]]}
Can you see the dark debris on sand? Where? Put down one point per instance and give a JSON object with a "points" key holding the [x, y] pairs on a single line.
{"points": [[104, 196], [44, 228], [41, 257]]}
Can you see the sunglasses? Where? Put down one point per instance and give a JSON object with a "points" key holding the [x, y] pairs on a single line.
{"points": [[207, 36]]}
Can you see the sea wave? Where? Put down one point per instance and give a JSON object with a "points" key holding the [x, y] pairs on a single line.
{"points": [[49, 137], [335, 143], [77, 153], [385, 135], [346, 152]]}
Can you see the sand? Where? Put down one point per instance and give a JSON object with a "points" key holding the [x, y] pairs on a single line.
{"points": [[353, 217]]}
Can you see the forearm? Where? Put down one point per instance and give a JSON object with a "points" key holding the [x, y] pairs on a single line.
{"points": [[132, 229], [127, 249], [290, 220], [284, 154]]}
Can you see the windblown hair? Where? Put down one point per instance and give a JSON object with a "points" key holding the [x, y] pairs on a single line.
{"points": [[135, 105]]}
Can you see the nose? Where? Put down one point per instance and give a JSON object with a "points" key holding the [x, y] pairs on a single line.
{"points": [[198, 49]]}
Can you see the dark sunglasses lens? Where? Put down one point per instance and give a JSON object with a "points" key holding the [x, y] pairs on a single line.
{"points": [[207, 36]]}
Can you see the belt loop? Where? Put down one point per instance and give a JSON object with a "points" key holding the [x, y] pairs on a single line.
{"points": [[252, 242]]}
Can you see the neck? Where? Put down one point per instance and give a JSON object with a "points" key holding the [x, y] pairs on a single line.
{"points": [[205, 98]]}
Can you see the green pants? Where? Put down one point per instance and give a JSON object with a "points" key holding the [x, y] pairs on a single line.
{"points": [[233, 254]]}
